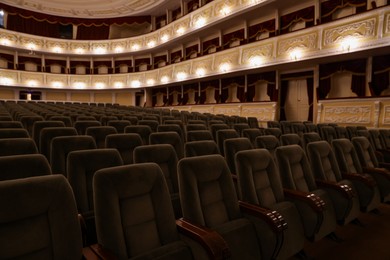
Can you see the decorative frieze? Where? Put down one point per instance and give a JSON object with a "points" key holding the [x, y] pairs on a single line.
{"points": [[303, 43]]}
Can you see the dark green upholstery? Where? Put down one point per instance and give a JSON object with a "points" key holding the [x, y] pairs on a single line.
{"points": [[165, 156], [325, 168], [259, 184], [38, 219], [134, 215], [296, 174], [125, 144], [61, 146], [208, 199]]}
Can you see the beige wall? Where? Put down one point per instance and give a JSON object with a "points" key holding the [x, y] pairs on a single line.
{"points": [[7, 94], [57, 96], [124, 98], [104, 97], [80, 96]]}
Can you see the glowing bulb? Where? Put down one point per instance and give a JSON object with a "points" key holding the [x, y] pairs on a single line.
{"points": [[164, 38], [6, 81], [118, 84], [164, 79], [224, 67], [150, 81], [135, 47], [181, 76], [295, 54], [57, 84], [256, 61], [180, 31], [100, 50], [135, 84], [57, 49], [151, 44], [348, 43], [32, 83], [5, 42], [31, 46], [99, 85], [225, 10], [200, 72], [200, 22], [118, 49], [79, 85], [79, 51]]}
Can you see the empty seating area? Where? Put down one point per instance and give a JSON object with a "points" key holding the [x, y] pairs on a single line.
{"points": [[149, 183]]}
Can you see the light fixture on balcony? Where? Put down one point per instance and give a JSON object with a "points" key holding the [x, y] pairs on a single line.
{"points": [[224, 67], [348, 43], [57, 84], [135, 84], [256, 60], [32, 83], [57, 49], [151, 43], [79, 51], [118, 49], [181, 75], [100, 50], [200, 72], [6, 81], [295, 54], [150, 82], [79, 85], [201, 21], [225, 10], [5, 42], [135, 47], [99, 85], [180, 30], [164, 79], [118, 84], [164, 38]]}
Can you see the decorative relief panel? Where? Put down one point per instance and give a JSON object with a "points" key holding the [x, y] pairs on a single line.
{"points": [[204, 64], [53, 80], [206, 13], [263, 51], [359, 114], [79, 46], [99, 47], [226, 57], [361, 29], [386, 116], [166, 32], [151, 76], [220, 6], [31, 79], [118, 45], [8, 38], [100, 81], [32, 43], [201, 109], [82, 81], [165, 72], [386, 26], [305, 43], [53, 45], [230, 110], [263, 112], [183, 67], [182, 23]]}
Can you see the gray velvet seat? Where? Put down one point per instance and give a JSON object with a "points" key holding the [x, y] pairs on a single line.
{"points": [[298, 128], [135, 220], [144, 132], [199, 135], [209, 200], [198, 148], [351, 168], [47, 135], [240, 127], [99, 134], [370, 164], [328, 176], [165, 156], [341, 132], [81, 167], [385, 135], [132, 119], [81, 126], [23, 166], [260, 184], [39, 125], [225, 134], [314, 204], [105, 119], [125, 144], [352, 131], [65, 119], [382, 153], [39, 219], [16, 146], [171, 138], [61, 146]]}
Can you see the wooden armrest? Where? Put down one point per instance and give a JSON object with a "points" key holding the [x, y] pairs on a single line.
{"points": [[385, 173], [344, 189], [100, 252], [89, 254], [272, 217], [362, 177], [315, 202], [213, 242]]}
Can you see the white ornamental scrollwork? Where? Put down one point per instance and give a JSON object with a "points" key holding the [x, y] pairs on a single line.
{"points": [[348, 114], [306, 42]]}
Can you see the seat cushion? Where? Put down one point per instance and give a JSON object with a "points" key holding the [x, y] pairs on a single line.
{"points": [[175, 250]]}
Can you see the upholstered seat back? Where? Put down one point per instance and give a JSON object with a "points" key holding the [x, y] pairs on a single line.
{"points": [[233, 146], [81, 166], [346, 156], [119, 125], [153, 124], [81, 126], [328, 133], [198, 148], [288, 139], [171, 138], [144, 132], [365, 152], [294, 168], [13, 133], [199, 135], [216, 127], [49, 133], [99, 133], [61, 146], [39, 125], [15, 146], [259, 180], [209, 179], [277, 132], [223, 135], [38, 219], [125, 144], [308, 138], [134, 215], [323, 161], [376, 139], [269, 142], [23, 166]]}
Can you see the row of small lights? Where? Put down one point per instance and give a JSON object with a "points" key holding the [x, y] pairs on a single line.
{"points": [[256, 61]]}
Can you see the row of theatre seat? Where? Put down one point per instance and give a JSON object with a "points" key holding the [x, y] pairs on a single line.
{"points": [[137, 204]]}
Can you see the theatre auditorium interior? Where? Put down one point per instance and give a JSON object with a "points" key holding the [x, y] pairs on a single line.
{"points": [[195, 129]]}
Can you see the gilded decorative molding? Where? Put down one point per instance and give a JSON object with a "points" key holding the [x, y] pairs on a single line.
{"points": [[366, 29], [202, 65], [386, 26], [386, 115], [182, 67], [263, 51], [303, 43], [230, 57], [205, 13], [56, 80], [31, 79], [230, 110], [263, 111]]}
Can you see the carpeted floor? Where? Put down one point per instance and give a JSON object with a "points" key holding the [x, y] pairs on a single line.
{"points": [[371, 241]]}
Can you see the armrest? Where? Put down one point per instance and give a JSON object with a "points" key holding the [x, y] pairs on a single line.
{"points": [[315, 202], [362, 177], [385, 173], [344, 189], [384, 165], [215, 245], [83, 227], [98, 252], [89, 254], [272, 217]]}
